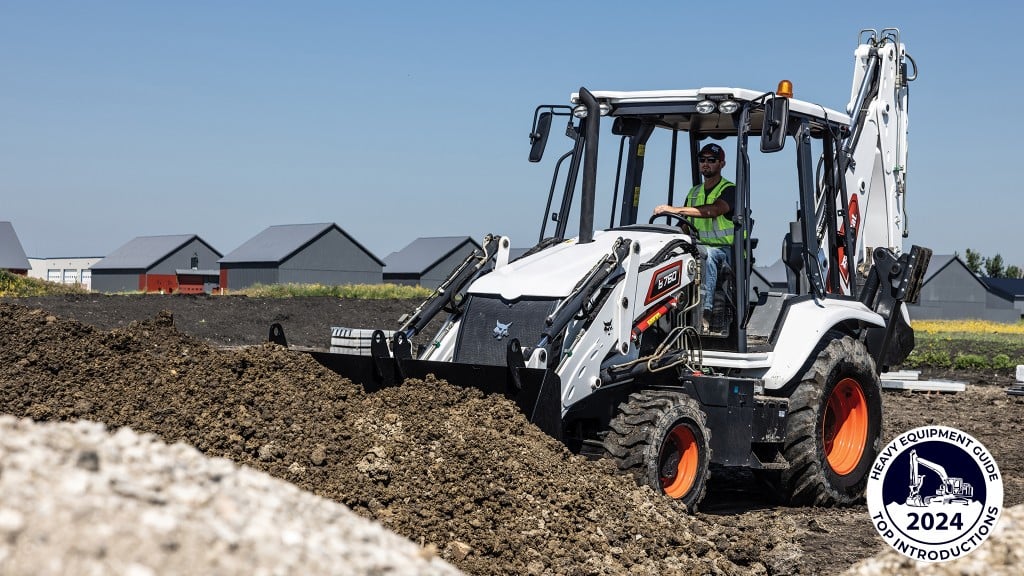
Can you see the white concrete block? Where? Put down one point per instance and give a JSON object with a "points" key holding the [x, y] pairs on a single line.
{"points": [[925, 385], [1020, 372], [355, 340], [901, 375]]}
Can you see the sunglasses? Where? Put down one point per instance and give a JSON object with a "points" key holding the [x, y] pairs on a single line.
{"points": [[707, 160]]}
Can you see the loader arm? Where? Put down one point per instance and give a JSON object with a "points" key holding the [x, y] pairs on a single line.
{"points": [[452, 289]]}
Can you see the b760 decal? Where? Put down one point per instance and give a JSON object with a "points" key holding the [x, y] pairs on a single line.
{"points": [[664, 281]]}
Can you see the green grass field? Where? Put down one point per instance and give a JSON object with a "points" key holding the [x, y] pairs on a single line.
{"points": [[353, 291], [14, 286], [967, 345]]}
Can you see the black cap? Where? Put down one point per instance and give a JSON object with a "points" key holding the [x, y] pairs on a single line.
{"points": [[713, 150]]}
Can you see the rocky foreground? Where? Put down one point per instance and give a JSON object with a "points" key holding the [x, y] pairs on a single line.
{"points": [[75, 499]]}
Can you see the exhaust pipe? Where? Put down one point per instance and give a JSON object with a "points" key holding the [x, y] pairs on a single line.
{"points": [[589, 166]]}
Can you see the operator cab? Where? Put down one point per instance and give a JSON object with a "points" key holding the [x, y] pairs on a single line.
{"points": [[655, 137]]}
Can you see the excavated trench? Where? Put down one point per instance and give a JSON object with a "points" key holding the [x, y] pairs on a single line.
{"points": [[447, 467]]}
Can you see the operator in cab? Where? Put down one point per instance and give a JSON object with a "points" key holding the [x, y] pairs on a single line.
{"points": [[709, 207]]}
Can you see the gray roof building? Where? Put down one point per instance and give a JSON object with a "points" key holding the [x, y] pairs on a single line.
{"points": [[300, 254], [145, 252], [1010, 288], [149, 263], [12, 255], [952, 292], [769, 278], [938, 262], [427, 261]]}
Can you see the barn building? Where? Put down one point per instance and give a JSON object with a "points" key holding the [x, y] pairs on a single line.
{"points": [[952, 292], [152, 264], [12, 255], [1010, 288], [427, 261], [300, 254]]}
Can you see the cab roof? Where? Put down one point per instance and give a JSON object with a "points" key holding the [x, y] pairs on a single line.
{"points": [[675, 108]]}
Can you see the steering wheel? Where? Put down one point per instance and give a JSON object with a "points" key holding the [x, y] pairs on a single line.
{"points": [[684, 224]]}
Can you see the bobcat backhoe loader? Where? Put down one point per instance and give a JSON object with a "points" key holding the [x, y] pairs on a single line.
{"points": [[596, 335]]}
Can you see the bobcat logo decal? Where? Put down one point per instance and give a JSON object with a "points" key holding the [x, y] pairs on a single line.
{"points": [[501, 330]]}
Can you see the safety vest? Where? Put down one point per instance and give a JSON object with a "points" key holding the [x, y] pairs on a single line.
{"points": [[717, 231]]}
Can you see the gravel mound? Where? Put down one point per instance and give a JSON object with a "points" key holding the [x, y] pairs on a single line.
{"points": [[75, 499], [1001, 554]]}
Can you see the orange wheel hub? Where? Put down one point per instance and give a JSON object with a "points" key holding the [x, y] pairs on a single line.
{"points": [[845, 426], [682, 449]]}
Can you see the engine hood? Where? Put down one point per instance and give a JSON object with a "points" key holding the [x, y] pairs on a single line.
{"points": [[554, 272]]}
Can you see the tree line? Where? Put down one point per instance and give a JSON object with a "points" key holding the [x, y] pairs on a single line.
{"points": [[990, 267]]}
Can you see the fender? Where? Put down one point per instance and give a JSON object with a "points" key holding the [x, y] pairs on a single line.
{"points": [[806, 322]]}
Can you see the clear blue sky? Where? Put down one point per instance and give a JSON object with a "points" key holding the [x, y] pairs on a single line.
{"points": [[404, 119]]}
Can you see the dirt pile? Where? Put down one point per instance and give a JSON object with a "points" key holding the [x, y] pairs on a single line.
{"points": [[441, 465]]}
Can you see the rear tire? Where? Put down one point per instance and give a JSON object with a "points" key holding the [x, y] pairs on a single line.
{"points": [[834, 429], [661, 439]]}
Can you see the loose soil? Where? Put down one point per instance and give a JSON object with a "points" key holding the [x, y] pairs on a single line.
{"points": [[453, 470]]}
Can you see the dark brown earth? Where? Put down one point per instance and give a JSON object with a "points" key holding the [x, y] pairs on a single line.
{"points": [[447, 467]]}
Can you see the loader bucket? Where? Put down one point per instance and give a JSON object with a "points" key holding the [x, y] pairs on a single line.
{"points": [[535, 391]]}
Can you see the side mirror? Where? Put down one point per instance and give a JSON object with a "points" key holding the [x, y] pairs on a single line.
{"points": [[774, 124], [539, 136]]}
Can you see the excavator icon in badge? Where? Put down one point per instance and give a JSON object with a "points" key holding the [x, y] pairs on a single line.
{"points": [[950, 490]]}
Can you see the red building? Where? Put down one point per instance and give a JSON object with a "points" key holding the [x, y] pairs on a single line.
{"points": [[155, 264]]}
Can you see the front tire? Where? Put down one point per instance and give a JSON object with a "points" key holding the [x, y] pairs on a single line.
{"points": [[834, 429], [661, 439]]}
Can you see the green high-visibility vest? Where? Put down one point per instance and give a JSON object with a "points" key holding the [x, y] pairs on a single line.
{"points": [[717, 231]]}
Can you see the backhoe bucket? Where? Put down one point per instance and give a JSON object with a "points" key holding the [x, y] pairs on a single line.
{"points": [[535, 391]]}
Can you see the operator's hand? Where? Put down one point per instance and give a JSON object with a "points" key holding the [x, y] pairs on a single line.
{"points": [[663, 209]]}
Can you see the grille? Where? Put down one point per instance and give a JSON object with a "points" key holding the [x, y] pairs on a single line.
{"points": [[479, 342]]}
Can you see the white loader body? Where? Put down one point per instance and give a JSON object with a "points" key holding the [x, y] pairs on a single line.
{"points": [[602, 338]]}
